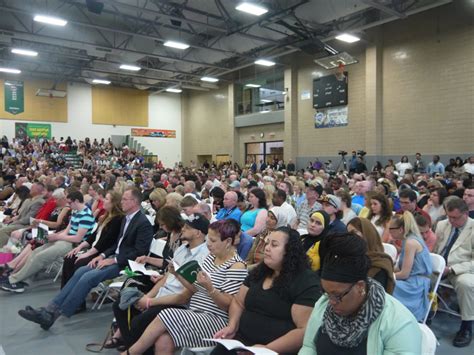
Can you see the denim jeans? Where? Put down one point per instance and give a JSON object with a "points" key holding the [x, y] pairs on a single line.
{"points": [[70, 298]]}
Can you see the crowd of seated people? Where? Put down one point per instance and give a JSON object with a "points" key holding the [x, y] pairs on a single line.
{"points": [[289, 260]]}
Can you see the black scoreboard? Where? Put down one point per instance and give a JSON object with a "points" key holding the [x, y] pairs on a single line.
{"points": [[328, 91]]}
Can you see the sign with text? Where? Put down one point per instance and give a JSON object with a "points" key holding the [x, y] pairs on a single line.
{"points": [[156, 133], [331, 117], [32, 130], [14, 96]]}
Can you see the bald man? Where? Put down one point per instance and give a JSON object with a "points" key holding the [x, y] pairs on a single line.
{"points": [[230, 209]]}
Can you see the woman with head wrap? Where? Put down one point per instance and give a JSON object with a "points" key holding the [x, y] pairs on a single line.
{"points": [[275, 220], [355, 315], [318, 227], [381, 264]]}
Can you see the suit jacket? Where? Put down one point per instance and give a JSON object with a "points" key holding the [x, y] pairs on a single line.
{"points": [[461, 255], [29, 209], [136, 241]]}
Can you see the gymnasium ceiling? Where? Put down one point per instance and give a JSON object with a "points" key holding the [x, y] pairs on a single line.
{"points": [[222, 40]]}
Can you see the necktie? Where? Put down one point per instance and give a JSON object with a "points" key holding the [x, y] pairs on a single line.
{"points": [[450, 244]]}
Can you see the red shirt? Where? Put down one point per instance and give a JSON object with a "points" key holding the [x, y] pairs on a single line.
{"points": [[46, 210]]}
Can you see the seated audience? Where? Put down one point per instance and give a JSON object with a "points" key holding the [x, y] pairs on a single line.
{"points": [[254, 219], [220, 279], [414, 267], [230, 209], [455, 237], [59, 243], [275, 301], [166, 292], [332, 206], [434, 206], [355, 315], [346, 203], [135, 238], [96, 243], [423, 223], [380, 214], [318, 228], [381, 264]]}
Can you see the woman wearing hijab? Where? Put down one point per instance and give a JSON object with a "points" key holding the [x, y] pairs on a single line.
{"points": [[256, 253], [318, 227], [355, 315], [381, 264]]}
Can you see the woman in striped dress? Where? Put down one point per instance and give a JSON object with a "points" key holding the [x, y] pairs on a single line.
{"points": [[223, 271]]}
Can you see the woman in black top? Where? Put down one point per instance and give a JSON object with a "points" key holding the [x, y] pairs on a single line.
{"points": [[276, 300], [104, 237]]}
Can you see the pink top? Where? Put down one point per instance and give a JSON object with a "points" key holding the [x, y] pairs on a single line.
{"points": [[430, 239]]}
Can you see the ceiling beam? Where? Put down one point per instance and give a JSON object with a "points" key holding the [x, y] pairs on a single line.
{"points": [[388, 10]]}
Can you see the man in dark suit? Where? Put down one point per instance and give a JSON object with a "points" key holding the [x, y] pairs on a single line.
{"points": [[134, 240]]}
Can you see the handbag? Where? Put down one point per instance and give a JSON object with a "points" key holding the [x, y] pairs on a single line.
{"points": [[98, 347]]}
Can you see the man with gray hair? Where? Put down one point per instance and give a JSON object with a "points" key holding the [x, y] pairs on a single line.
{"points": [[456, 245], [230, 209]]}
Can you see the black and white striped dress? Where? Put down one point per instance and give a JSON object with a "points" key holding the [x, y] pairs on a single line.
{"points": [[204, 318]]}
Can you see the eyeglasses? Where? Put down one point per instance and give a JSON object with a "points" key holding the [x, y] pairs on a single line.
{"points": [[338, 298], [394, 228]]}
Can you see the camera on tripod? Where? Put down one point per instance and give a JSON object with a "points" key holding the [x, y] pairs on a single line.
{"points": [[361, 153], [342, 152]]}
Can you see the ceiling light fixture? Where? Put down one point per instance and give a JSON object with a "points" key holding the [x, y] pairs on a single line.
{"points": [[209, 79], [100, 81], [348, 38], [177, 45], [252, 85], [55, 21], [129, 67], [174, 90], [251, 8], [10, 70], [24, 52], [265, 62]]}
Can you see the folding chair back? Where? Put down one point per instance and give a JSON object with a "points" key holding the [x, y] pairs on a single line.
{"points": [[390, 250], [438, 264]]}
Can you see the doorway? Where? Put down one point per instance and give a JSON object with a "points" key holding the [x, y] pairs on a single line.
{"points": [[264, 151]]}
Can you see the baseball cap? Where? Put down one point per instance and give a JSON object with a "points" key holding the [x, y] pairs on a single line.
{"points": [[334, 201], [199, 222], [234, 184]]}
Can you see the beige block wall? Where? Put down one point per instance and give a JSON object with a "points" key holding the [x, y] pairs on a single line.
{"points": [[428, 101], [207, 129]]}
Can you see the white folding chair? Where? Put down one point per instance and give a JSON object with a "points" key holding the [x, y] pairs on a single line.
{"points": [[390, 250], [438, 265], [428, 340]]}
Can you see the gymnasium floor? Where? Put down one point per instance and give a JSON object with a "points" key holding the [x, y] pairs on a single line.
{"points": [[69, 336]]}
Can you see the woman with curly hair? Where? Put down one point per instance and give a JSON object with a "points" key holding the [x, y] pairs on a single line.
{"points": [[277, 298]]}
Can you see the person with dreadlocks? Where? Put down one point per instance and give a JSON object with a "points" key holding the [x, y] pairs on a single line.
{"points": [[355, 316]]}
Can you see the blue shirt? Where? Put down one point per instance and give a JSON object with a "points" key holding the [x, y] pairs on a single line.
{"points": [[435, 168], [225, 213], [245, 245]]}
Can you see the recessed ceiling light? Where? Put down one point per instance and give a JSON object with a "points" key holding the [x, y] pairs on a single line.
{"points": [[209, 79], [129, 67], [252, 85], [10, 70], [346, 37], [100, 81], [252, 9], [267, 63], [174, 90], [24, 52], [177, 45], [56, 21]]}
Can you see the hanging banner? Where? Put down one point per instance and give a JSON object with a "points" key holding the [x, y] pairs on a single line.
{"points": [[14, 96], [157, 133], [331, 117], [32, 130]]}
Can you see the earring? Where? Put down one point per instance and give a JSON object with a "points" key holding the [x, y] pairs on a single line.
{"points": [[362, 293]]}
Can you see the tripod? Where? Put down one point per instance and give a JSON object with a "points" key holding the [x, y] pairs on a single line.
{"points": [[342, 162]]}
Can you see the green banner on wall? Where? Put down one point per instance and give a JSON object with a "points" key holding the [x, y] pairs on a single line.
{"points": [[14, 97], [32, 130]]}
